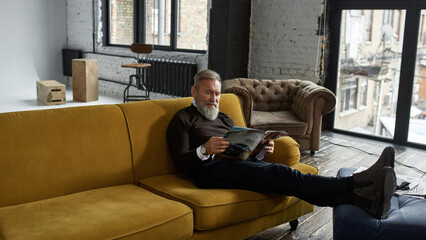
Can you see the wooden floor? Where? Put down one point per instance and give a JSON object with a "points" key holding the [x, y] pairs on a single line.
{"points": [[337, 151]]}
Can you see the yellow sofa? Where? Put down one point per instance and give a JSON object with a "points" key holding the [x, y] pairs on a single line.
{"points": [[105, 172]]}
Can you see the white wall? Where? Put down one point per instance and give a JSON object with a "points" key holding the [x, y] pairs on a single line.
{"points": [[283, 40], [33, 33]]}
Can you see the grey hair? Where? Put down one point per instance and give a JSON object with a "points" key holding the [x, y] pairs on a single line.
{"points": [[206, 74]]}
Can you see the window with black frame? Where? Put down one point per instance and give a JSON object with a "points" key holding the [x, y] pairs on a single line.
{"points": [[381, 43], [176, 25]]}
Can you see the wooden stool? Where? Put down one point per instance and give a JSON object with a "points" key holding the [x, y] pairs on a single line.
{"points": [[140, 76], [51, 92], [140, 80], [85, 80]]}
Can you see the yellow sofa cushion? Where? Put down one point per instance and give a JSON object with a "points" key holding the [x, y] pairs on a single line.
{"points": [[54, 152], [105, 213], [215, 208], [252, 227]]}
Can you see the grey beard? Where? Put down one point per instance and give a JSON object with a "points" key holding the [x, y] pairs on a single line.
{"points": [[210, 114]]}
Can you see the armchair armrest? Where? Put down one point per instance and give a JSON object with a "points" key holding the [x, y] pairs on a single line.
{"points": [[286, 151], [311, 102], [234, 86], [305, 96]]}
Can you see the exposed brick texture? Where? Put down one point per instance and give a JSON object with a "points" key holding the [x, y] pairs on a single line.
{"points": [[283, 41]]}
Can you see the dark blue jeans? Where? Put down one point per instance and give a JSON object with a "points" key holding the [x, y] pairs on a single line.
{"points": [[264, 177]]}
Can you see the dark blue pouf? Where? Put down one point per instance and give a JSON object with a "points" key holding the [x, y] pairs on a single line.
{"points": [[406, 220]]}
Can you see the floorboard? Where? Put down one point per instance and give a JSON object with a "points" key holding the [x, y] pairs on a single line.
{"points": [[337, 151]]}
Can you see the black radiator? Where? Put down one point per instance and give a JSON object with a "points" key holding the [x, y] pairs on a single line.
{"points": [[165, 76], [170, 77], [67, 56]]}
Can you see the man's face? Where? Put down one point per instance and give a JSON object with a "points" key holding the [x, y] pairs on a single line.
{"points": [[207, 96]]}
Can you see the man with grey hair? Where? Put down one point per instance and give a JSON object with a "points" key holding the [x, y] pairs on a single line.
{"points": [[195, 135], [210, 109]]}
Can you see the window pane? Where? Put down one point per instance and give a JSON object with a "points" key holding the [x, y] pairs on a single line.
{"points": [[348, 93], [192, 24], [417, 128], [364, 89], [368, 17], [369, 68], [121, 22], [158, 22]]}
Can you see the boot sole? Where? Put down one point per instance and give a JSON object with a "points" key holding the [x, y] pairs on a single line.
{"points": [[392, 150], [388, 190]]}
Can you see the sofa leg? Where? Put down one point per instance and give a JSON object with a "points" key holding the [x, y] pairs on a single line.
{"points": [[294, 224], [312, 152]]}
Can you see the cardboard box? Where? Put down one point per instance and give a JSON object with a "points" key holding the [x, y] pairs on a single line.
{"points": [[51, 92]]}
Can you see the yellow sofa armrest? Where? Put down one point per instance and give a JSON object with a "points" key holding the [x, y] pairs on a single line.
{"points": [[286, 151]]}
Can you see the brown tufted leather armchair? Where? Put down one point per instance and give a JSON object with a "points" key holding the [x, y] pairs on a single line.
{"points": [[293, 105]]}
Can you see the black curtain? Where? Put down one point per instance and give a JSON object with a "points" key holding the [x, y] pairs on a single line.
{"points": [[229, 37]]}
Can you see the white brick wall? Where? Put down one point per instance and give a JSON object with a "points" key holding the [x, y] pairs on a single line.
{"points": [[79, 24], [79, 31], [283, 41]]}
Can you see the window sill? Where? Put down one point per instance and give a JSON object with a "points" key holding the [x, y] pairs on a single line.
{"points": [[348, 112]]}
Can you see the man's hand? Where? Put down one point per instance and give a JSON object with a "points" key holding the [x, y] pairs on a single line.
{"points": [[269, 148], [216, 145]]}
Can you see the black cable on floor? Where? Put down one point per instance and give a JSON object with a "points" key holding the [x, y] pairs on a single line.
{"points": [[374, 154]]}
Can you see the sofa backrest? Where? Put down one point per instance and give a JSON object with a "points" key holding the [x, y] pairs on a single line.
{"points": [[148, 121], [49, 153]]}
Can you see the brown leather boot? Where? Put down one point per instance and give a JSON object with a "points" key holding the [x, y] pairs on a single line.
{"points": [[375, 199], [386, 159]]}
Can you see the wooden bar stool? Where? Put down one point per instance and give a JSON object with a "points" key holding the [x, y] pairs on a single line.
{"points": [[140, 76]]}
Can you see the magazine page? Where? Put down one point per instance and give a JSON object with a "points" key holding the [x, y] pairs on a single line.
{"points": [[259, 151], [242, 142], [246, 142]]}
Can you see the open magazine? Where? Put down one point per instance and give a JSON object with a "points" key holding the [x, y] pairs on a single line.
{"points": [[407, 185], [248, 142]]}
